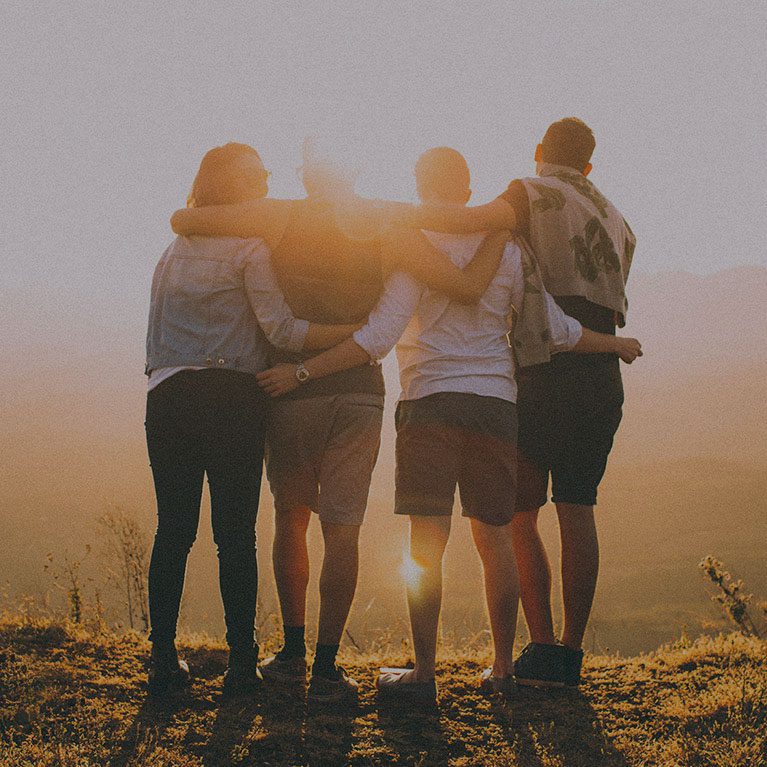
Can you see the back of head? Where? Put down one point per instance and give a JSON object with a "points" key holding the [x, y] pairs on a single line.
{"points": [[568, 142], [442, 175], [323, 175], [229, 174]]}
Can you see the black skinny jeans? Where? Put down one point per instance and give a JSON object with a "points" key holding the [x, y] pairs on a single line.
{"points": [[206, 422]]}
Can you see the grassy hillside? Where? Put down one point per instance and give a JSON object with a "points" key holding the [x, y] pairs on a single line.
{"points": [[70, 699]]}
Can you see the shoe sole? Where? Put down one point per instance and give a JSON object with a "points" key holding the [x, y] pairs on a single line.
{"points": [[286, 680]]}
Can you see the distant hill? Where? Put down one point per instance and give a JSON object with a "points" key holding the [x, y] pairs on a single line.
{"points": [[72, 698]]}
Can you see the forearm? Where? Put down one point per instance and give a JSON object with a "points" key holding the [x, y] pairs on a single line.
{"points": [[326, 336], [497, 214], [255, 218], [411, 252], [592, 342], [345, 355]]}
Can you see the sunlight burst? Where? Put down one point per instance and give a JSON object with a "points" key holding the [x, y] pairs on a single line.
{"points": [[411, 572]]}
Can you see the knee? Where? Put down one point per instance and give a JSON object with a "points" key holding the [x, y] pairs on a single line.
{"points": [[178, 540], [341, 541], [235, 537], [492, 540], [524, 522], [427, 544], [293, 523]]}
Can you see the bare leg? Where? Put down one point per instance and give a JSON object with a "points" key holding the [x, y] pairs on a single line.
{"points": [[534, 576], [338, 580], [496, 550], [580, 567], [290, 558], [428, 538]]}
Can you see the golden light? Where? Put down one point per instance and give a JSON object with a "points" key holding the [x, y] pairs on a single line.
{"points": [[411, 572]]}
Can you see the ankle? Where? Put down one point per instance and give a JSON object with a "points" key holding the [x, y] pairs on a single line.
{"points": [[325, 660], [571, 645], [544, 639], [424, 673], [573, 641], [295, 643], [502, 668]]}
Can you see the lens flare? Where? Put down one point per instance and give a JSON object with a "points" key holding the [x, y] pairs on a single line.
{"points": [[411, 572]]}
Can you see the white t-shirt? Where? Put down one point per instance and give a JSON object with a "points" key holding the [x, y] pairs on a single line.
{"points": [[445, 346]]}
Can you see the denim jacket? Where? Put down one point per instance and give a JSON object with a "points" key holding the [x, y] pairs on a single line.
{"points": [[216, 303]]}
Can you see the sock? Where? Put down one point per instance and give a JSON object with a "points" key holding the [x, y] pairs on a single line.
{"points": [[295, 646], [325, 660]]}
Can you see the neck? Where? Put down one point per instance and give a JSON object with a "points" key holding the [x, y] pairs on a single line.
{"points": [[549, 168]]}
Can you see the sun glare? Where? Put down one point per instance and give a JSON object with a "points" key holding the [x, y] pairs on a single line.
{"points": [[411, 572]]}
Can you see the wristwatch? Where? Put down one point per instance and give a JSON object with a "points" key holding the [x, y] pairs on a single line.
{"points": [[302, 374]]}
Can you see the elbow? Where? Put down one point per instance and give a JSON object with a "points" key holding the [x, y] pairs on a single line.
{"points": [[176, 222], [467, 296]]}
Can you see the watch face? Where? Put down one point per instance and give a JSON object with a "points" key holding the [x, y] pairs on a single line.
{"points": [[302, 374]]}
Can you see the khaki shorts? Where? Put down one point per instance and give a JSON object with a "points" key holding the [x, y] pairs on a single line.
{"points": [[321, 452]]}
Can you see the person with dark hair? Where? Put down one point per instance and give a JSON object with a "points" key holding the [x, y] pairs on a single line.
{"points": [[570, 405], [456, 418], [324, 436], [214, 304]]}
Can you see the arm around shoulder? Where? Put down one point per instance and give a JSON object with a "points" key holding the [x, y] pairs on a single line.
{"points": [[263, 218], [410, 251]]}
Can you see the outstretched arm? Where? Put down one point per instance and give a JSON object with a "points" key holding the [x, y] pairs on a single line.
{"points": [[263, 218], [628, 349], [373, 342], [496, 214], [410, 251], [569, 335]]}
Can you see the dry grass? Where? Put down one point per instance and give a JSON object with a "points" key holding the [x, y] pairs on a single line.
{"points": [[69, 699]]}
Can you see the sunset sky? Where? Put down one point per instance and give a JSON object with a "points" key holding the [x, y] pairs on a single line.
{"points": [[108, 108]]}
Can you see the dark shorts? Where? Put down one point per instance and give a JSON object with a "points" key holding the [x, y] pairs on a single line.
{"points": [[450, 439], [569, 410]]}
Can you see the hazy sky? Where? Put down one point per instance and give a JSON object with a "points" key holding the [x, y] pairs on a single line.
{"points": [[108, 108]]}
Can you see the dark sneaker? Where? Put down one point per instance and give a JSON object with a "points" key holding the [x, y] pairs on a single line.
{"points": [[329, 689], [242, 675], [489, 683], [284, 670], [573, 663], [396, 684], [166, 672], [548, 665]]}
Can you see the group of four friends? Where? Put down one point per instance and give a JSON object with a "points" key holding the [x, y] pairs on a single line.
{"points": [[267, 325]]}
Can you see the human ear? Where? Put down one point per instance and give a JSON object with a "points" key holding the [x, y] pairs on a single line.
{"points": [[589, 167], [538, 151]]}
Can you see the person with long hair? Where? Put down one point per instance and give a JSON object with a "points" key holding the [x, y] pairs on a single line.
{"points": [[215, 308]]}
